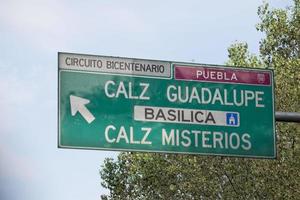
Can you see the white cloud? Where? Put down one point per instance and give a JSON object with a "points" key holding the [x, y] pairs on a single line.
{"points": [[15, 165], [29, 16], [39, 23], [56, 25]]}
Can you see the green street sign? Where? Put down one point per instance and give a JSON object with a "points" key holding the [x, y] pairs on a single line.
{"points": [[126, 104]]}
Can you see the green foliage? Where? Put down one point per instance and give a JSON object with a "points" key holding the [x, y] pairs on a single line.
{"points": [[171, 176], [282, 29], [239, 56]]}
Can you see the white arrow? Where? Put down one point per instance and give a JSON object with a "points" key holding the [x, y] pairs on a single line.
{"points": [[78, 105]]}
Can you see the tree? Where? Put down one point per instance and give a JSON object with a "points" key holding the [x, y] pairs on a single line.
{"points": [[171, 176]]}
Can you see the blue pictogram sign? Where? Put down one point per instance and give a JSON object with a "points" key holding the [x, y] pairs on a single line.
{"points": [[232, 119]]}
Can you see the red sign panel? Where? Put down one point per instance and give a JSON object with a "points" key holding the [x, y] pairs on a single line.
{"points": [[225, 75]]}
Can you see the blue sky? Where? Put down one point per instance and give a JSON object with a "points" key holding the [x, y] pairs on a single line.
{"points": [[31, 34]]}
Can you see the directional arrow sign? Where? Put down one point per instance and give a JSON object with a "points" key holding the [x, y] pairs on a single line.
{"points": [[128, 104], [78, 105]]}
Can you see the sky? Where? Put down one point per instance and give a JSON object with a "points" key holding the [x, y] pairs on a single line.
{"points": [[31, 34]]}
